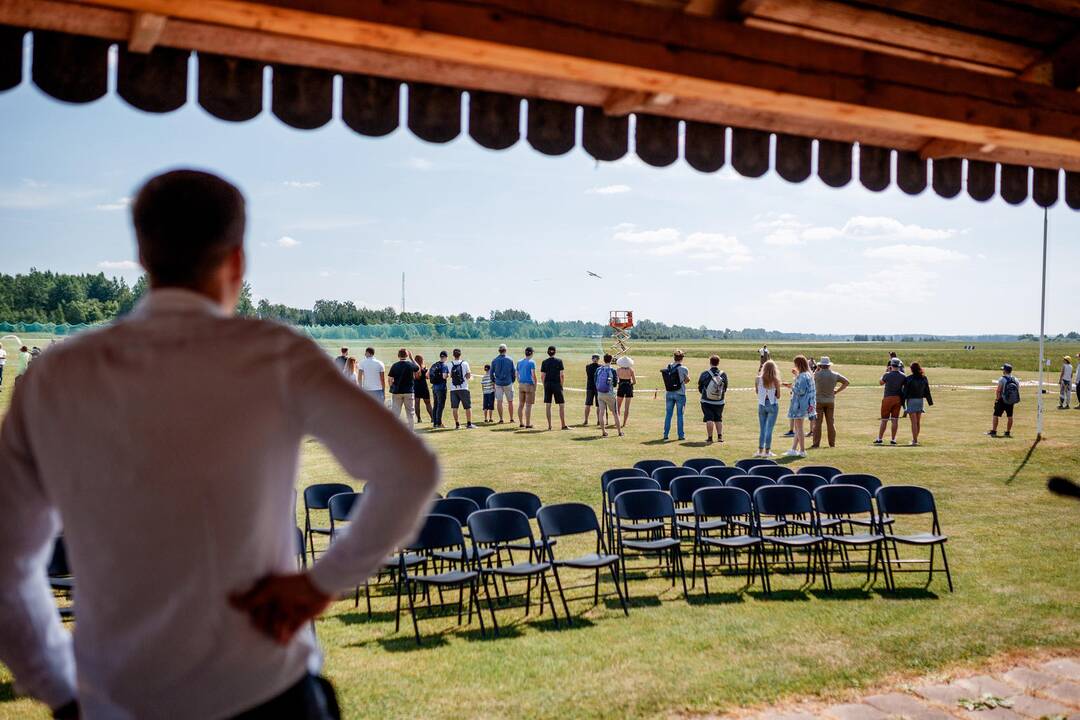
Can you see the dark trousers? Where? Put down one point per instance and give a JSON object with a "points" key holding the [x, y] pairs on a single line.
{"points": [[438, 393], [312, 698], [825, 415]]}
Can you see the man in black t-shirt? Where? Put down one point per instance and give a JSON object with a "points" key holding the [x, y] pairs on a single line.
{"points": [[551, 374], [590, 390], [402, 373]]}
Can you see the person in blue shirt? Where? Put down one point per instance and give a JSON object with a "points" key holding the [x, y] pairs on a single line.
{"points": [[438, 373], [502, 372], [526, 375]]}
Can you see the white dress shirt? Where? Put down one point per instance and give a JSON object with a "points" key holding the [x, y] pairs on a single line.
{"points": [[166, 447]]}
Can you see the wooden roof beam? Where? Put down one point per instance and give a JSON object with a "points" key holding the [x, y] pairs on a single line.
{"points": [[1059, 68], [146, 30], [620, 102]]}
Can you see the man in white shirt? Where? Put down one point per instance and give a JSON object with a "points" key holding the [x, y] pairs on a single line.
{"points": [[172, 474], [373, 375], [459, 377], [3, 364]]}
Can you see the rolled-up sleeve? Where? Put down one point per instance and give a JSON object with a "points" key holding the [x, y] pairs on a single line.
{"points": [[400, 471], [33, 642]]}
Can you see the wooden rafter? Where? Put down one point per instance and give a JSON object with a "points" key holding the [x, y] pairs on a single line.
{"points": [[146, 29]]}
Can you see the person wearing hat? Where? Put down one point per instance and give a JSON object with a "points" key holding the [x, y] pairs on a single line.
{"points": [[891, 402], [829, 384], [1006, 396], [437, 374], [502, 372], [590, 389], [1065, 380]]}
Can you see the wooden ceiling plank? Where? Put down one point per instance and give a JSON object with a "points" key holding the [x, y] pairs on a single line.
{"points": [[146, 29], [990, 17]]}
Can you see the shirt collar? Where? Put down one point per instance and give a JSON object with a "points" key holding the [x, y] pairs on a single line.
{"points": [[176, 300]]}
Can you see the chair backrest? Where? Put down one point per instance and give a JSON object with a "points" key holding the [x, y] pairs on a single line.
{"points": [[459, 508], [438, 531], [782, 500], [664, 475], [869, 482], [650, 465], [776, 472], [843, 500], [806, 481], [749, 463], [499, 525], [629, 484], [301, 550], [567, 519], [317, 497], [749, 483], [683, 487], [905, 500], [722, 502], [699, 464], [341, 505], [526, 502], [609, 475], [826, 471], [644, 504], [477, 493], [723, 473]]}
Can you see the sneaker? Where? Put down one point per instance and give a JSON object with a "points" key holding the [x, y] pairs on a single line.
{"points": [[758, 454], [914, 443], [789, 433], [720, 439], [457, 426], [665, 438], [1008, 434], [802, 454], [992, 433], [791, 453], [892, 442], [681, 438], [470, 426], [708, 441], [878, 441]]}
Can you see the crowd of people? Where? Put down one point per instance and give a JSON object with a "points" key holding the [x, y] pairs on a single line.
{"points": [[26, 356]]}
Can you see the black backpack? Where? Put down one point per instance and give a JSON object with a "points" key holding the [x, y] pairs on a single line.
{"points": [[1010, 394], [672, 377], [437, 373], [457, 373]]}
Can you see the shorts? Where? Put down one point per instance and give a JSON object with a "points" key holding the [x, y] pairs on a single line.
{"points": [[489, 401], [462, 398], [504, 392], [590, 396], [890, 407], [1003, 408], [553, 392], [607, 400], [626, 389], [916, 405], [712, 413], [527, 392]]}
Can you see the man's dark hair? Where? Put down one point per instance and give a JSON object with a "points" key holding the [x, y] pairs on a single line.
{"points": [[344, 351], [529, 350], [551, 350], [714, 360], [607, 358], [186, 224], [457, 352], [369, 351]]}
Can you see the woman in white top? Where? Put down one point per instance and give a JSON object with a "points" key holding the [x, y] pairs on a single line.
{"points": [[1065, 381], [767, 385], [352, 370]]}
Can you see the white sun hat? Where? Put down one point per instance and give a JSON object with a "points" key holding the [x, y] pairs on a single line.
{"points": [[625, 362]]}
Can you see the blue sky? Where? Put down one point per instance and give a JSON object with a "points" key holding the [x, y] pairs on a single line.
{"points": [[337, 215]]}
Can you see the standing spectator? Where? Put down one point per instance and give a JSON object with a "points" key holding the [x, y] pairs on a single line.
{"points": [[828, 384], [526, 375], [675, 377], [1065, 381], [1006, 396], [459, 390], [352, 370], [487, 387], [420, 389], [605, 394], [438, 373], [713, 385], [763, 357], [552, 375], [625, 391], [342, 359], [24, 359], [916, 397], [402, 382], [590, 389], [892, 401], [3, 364], [803, 400], [373, 375], [767, 385], [502, 372], [892, 356]]}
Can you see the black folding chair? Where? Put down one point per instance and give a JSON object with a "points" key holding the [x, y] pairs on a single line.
{"points": [[869, 483], [717, 512], [649, 506], [826, 471], [749, 464], [893, 500], [438, 533], [699, 464], [606, 477], [664, 475], [781, 502], [810, 483], [778, 473], [495, 529], [60, 578], [845, 501], [682, 494], [317, 497], [749, 484], [650, 465], [527, 503], [722, 473], [621, 485], [565, 519], [477, 493], [459, 508]]}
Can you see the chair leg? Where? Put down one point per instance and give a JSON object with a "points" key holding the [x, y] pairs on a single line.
{"points": [[766, 584], [704, 570], [945, 562], [397, 610], [474, 596], [551, 601], [367, 597], [618, 591], [693, 563], [596, 588], [491, 607], [562, 596], [930, 572], [678, 559], [412, 611], [626, 587]]}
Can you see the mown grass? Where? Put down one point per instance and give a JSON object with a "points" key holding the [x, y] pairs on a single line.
{"points": [[1013, 551]]}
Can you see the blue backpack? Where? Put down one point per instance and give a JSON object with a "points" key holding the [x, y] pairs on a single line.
{"points": [[603, 379]]}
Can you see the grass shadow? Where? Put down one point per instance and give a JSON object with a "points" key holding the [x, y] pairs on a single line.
{"points": [[856, 593], [780, 595], [407, 643], [658, 441], [506, 632], [1024, 462], [360, 617], [716, 598], [579, 623], [694, 443], [908, 593], [7, 691], [506, 429], [633, 602], [587, 438]]}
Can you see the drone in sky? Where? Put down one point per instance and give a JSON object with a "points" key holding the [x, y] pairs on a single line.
{"points": [[590, 273]]}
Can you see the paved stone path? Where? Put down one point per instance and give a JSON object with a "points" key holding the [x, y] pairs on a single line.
{"points": [[1045, 690]]}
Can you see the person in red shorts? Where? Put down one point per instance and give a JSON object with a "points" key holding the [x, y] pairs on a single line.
{"points": [[891, 403]]}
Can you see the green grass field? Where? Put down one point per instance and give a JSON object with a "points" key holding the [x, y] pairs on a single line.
{"points": [[1013, 551]]}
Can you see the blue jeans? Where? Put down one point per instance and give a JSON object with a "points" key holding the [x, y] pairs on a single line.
{"points": [[766, 415], [439, 395], [674, 400]]}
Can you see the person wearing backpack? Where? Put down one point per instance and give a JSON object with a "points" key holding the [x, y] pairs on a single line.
{"points": [[1006, 398], [1065, 381], [459, 390], [713, 385], [437, 375], [675, 377], [605, 395]]}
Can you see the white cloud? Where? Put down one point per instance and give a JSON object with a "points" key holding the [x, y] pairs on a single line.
{"points": [[785, 230], [914, 254], [118, 205], [782, 229], [118, 265], [629, 233], [687, 273], [608, 190], [668, 242], [287, 242], [329, 223], [419, 163], [304, 184]]}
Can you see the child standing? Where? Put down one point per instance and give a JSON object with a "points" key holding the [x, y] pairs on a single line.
{"points": [[487, 384]]}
